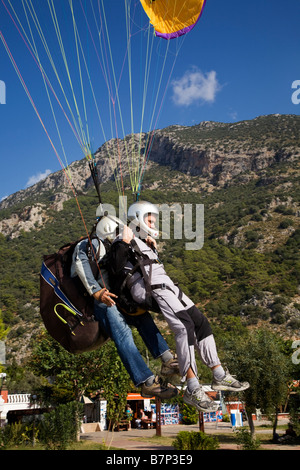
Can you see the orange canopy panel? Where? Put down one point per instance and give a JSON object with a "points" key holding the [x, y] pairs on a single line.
{"points": [[173, 18]]}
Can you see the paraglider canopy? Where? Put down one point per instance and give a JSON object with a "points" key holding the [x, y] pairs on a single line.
{"points": [[172, 19]]}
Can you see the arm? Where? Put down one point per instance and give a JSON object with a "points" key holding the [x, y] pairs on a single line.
{"points": [[85, 274], [82, 265]]}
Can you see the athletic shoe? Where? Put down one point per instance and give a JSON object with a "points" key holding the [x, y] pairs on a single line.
{"points": [[199, 400], [170, 368], [229, 384], [159, 389]]}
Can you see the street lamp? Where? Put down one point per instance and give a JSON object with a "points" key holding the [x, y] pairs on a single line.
{"points": [[34, 399]]}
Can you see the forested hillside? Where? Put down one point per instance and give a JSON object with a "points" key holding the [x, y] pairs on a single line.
{"points": [[247, 177]]}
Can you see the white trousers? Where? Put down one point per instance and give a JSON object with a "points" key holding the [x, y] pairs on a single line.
{"points": [[190, 326]]}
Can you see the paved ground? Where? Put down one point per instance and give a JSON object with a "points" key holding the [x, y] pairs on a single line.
{"points": [[130, 440]]}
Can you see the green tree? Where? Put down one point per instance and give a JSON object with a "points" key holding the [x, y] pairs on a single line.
{"points": [[115, 383], [20, 378], [73, 375], [76, 372], [260, 360]]}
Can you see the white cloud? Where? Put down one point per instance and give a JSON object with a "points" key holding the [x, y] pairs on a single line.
{"points": [[36, 178], [233, 114], [195, 86]]}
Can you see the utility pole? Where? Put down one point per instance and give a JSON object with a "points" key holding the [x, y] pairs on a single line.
{"points": [[158, 416], [201, 421]]}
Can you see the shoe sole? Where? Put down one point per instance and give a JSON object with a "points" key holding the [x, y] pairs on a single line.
{"points": [[160, 395], [200, 408], [224, 388]]}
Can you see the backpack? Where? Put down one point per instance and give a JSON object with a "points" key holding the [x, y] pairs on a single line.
{"points": [[66, 308]]}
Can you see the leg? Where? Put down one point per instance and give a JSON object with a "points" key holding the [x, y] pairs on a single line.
{"points": [[182, 326], [186, 322], [150, 334], [204, 339], [115, 325], [155, 342], [206, 346]]}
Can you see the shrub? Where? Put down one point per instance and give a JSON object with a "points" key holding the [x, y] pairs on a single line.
{"points": [[14, 435], [226, 418], [251, 236], [192, 440], [60, 427], [189, 414], [285, 223], [246, 440]]}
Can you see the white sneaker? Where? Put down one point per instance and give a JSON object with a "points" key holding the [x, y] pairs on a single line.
{"points": [[199, 400], [229, 384]]}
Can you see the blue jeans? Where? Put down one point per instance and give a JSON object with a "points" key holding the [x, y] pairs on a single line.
{"points": [[117, 327]]}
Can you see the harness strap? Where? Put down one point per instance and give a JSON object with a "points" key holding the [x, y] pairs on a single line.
{"points": [[161, 286], [165, 286], [141, 261], [49, 277]]}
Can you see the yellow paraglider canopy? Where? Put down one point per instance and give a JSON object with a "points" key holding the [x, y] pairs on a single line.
{"points": [[173, 18]]}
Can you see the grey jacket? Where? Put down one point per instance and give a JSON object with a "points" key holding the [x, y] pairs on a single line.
{"points": [[81, 266]]}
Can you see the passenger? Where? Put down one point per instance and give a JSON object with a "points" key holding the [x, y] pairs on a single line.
{"points": [[136, 265]]}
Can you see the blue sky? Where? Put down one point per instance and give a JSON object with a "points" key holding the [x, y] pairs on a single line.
{"points": [[239, 62]]}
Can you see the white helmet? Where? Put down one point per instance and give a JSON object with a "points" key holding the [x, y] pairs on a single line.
{"points": [[136, 214], [109, 227]]}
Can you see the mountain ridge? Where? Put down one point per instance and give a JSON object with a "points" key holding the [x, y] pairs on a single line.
{"points": [[180, 136], [212, 151]]}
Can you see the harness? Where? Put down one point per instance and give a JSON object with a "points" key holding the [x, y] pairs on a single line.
{"points": [[66, 309], [141, 261]]}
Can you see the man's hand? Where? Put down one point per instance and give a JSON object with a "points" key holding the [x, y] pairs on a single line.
{"points": [[105, 297], [127, 234], [151, 242]]}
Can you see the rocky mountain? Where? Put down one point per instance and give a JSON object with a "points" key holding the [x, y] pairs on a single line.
{"points": [[247, 176], [215, 152]]}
